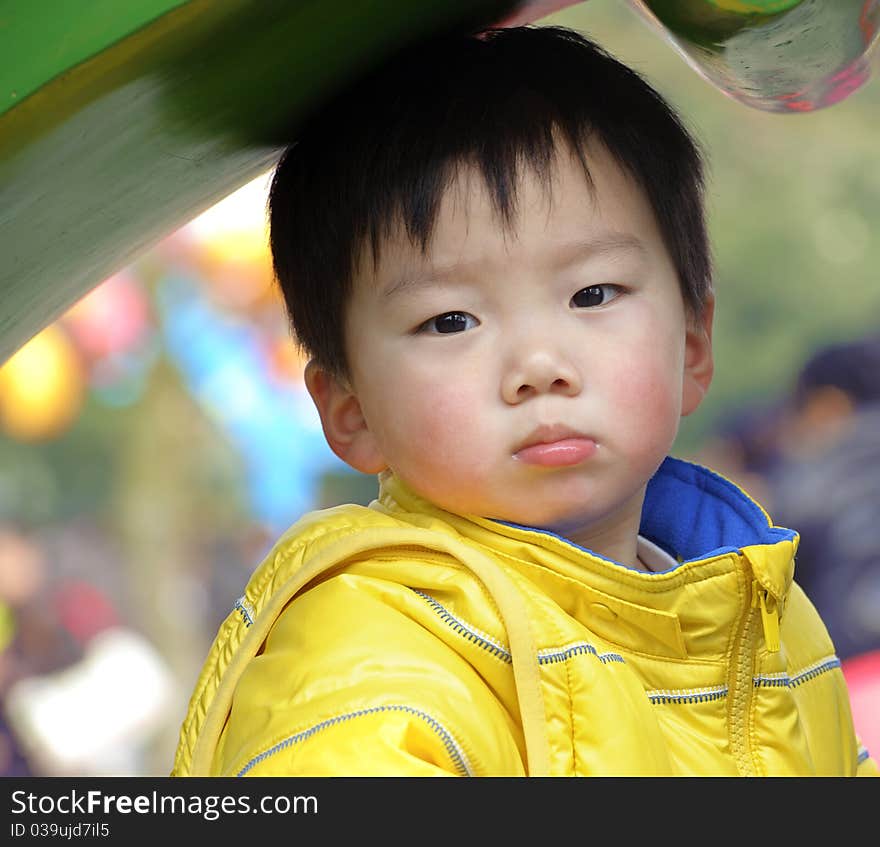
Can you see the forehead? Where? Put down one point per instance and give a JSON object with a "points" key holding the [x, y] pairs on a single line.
{"points": [[552, 215]]}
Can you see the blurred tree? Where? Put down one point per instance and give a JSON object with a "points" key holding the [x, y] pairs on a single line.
{"points": [[177, 488]]}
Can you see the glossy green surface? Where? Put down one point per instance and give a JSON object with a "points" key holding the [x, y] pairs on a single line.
{"points": [[42, 40], [105, 158]]}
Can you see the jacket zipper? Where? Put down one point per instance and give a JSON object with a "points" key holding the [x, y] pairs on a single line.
{"points": [[764, 600], [740, 692], [743, 668]]}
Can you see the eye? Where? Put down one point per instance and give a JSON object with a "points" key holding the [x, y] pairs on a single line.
{"points": [[595, 295], [449, 322]]}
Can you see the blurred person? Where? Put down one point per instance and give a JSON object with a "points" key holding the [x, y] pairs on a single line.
{"points": [[29, 640], [94, 716], [744, 448], [494, 250], [828, 485], [80, 692]]}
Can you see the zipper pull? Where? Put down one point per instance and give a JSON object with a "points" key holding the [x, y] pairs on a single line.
{"points": [[769, 615]]}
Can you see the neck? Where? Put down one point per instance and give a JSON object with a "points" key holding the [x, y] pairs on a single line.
{"points": [[615, 537]]}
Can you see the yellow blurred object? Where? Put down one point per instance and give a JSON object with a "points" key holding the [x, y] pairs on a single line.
{"points": [[230, 246], [7, 625], [238, 267], [41, 387]]}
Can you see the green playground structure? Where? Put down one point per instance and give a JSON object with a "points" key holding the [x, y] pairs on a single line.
{"points": [[120, 122]]}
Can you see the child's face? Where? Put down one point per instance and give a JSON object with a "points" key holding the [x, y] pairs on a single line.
{"points": [[572, 333]]}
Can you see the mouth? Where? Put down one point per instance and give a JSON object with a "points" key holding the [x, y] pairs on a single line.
{"points": [[555, 445]]}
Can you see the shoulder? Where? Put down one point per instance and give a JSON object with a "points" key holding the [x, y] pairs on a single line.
{"points": [[352, 612], [315, 532], [360, 669], [805, 634]]}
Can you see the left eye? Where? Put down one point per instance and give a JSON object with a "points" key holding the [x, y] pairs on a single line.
{"points": [[595, 295], [449, 323]]}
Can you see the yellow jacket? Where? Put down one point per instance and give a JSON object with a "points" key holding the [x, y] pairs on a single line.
{"points": [[403, 640]]}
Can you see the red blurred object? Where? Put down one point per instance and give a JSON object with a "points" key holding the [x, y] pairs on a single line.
{"points": [[112, 318], [84, 610], [862, 675]]}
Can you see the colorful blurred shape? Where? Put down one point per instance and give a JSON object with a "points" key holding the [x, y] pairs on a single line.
{"points": [[113, 318], [232, 372], [84, 610], [93, 717], [228, 246], [862, 675], [41, 387]]}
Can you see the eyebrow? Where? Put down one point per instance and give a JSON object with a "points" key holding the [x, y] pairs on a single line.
{"points": [[563, 255]]}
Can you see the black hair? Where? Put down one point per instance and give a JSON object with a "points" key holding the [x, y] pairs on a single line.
{"points": [[381, 153], [851, 366]]}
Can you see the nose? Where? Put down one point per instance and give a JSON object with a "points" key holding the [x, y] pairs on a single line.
{"points": [[539, 370]]}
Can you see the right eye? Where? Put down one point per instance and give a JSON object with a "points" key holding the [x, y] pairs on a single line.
{"points": [[449, 322]]}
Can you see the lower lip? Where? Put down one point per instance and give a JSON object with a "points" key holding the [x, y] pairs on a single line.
{"points": [[557, 454]]}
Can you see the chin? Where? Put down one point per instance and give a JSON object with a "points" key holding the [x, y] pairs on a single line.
{"points": [[560, 521]]}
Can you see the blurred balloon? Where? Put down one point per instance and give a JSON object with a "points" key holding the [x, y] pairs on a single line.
{"points": [[114, 330], [229, 248], [41, 387], [113, 318], [238, 268], [272, 422]]}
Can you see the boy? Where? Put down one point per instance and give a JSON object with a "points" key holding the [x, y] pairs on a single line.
{"points": [[494, 251]]}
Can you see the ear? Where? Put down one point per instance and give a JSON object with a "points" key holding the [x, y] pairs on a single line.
{"points": [[699, 364], [343, 421]]}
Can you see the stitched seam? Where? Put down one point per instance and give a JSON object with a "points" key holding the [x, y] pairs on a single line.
{"points": [[648, 655], [551, 655], [246, 609], [259, 590], [456, 754], [547, 656], [784, 680], [664, 696], [466, 630], [283, 557]]}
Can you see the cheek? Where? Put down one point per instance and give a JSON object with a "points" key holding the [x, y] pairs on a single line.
{"points": [[647, 393], [457, 429], [435, 426], [440, 447]]}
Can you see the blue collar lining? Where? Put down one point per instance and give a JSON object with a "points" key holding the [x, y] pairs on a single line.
{"points": [[693, 513]]}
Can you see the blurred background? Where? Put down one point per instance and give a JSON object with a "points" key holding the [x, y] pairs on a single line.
{"points": [[157, 438]]}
